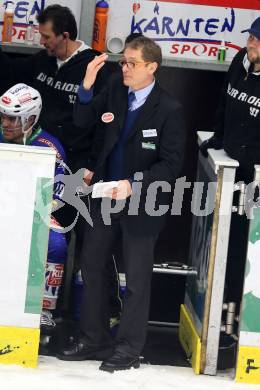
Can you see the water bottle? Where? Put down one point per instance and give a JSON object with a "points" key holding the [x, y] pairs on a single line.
{"points": [[222, 52], [29, 35], [100, 25], [122, 284], [8, 21]]}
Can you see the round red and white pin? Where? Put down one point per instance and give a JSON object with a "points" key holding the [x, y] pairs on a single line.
{"points": [[107, 117]]}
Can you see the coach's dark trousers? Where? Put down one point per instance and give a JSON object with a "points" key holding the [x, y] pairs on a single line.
{"points": [[138, 254]]}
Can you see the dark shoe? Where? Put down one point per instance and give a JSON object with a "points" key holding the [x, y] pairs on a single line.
{"points": [[119, 362], [79, 350]]}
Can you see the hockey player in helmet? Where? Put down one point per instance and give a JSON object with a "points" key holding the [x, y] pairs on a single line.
{"points": [[20, 108]]}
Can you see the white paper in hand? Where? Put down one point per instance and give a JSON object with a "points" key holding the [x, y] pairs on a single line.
{"points": [[100, 189]]}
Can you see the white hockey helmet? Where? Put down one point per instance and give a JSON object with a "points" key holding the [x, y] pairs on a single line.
{"points": [[22, 101]]}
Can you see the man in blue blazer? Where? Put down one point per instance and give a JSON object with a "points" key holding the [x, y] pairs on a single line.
{"points": [[143, 146]]}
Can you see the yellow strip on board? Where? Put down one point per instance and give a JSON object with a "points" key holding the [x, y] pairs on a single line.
{"points": [[248, 365], [19, 346], [190, 339]]}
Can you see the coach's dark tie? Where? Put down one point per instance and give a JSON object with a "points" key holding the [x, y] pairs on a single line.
{"points": [[131, 98]]}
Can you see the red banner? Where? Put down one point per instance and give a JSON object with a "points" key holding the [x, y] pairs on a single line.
{"points": [[244, 4]]}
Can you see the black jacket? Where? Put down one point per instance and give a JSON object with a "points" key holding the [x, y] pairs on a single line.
{"points": [[162, 162], [238, 116], [58, 88]]}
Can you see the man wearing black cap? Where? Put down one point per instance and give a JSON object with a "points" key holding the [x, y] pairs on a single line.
{"points": [[237, 127]]}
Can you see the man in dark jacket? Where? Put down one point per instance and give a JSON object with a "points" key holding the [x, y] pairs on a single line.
{"points": [[56, 73], [238, 117], [237, 131], [142, 154]]}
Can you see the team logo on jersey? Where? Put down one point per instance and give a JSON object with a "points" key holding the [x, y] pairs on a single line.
{"points": [[107, 117], [6, 100]]}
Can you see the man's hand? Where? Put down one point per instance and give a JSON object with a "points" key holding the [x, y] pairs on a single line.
{"points": [[122, 191], [88, 176], [92, 70], [211, 143]]}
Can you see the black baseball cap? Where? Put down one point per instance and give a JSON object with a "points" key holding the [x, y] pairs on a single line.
{"points": [[254, 29]]}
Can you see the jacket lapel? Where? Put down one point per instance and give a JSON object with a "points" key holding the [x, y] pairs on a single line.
{"points": [[147, 110], [120, 105], [118, 108]]}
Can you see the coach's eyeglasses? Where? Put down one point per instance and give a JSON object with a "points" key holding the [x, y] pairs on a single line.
{"points": [[132, 64]]}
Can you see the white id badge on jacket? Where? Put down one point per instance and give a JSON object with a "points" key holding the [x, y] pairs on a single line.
{"points": [[149, 133]]}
